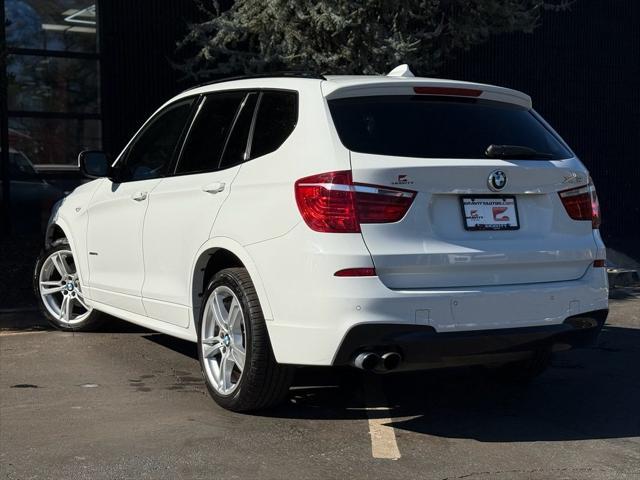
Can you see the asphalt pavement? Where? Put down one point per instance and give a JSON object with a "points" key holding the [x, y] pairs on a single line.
{"points": [[129, 403]]}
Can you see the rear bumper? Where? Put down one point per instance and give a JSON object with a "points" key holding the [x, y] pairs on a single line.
{"points": [[312, 310], [421, 347]]}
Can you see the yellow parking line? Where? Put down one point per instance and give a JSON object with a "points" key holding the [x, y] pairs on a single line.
{"points": [[383, 436]]}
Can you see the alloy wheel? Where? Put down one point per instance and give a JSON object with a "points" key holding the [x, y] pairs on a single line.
{"points": [[60, 289], [223, 340]]}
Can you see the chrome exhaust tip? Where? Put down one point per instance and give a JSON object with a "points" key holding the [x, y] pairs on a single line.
{"points": [[366, 361], [391, 360]]}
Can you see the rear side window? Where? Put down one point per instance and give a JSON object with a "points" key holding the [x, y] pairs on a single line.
{"points": [[276, 118], [438, 127], [205, 142]]}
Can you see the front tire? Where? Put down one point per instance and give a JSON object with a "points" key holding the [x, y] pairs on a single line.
{"points": [[59, 292], [235, 354]]}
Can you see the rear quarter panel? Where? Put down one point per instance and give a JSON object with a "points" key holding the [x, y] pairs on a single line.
{"points": [[262, 204]]}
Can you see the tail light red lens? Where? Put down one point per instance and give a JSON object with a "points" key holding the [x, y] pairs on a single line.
{"points": [[582, 203], [356, 272], [332, 202]]}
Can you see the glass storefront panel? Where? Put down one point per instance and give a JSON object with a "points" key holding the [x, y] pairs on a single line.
{"points": [[52, 84], [66, 25], [53, 141]]}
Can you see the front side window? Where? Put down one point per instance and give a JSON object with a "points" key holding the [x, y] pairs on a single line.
{"points": [[209, 131], [276, 118], [152, 152]]}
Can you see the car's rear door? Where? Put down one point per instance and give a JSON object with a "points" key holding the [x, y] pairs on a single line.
{"points": [[476, 221], [183, 207]]}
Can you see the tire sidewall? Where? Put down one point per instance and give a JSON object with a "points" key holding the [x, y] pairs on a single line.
{"points": [[227, 279]]}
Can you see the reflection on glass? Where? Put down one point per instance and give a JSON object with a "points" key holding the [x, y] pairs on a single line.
{"points": [[31, 196], [53, 141], [20, 168], [52, 84], [68, 25]]}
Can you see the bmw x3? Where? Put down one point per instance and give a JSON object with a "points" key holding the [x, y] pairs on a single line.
{"points": [[388, 223]]}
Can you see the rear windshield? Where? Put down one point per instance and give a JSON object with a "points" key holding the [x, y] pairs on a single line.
{"points": [[438, 127]]}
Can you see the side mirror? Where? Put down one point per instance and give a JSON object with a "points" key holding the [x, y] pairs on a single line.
{"points": [[94, 164]]}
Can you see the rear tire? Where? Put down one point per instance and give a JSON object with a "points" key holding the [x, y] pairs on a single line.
{"points": [[59, 292], [235, 353]]}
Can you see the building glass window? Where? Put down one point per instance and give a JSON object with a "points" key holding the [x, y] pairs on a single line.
{"points": [[53, 141], [53, 103], [52, 84], [52, 80], [58, 25]]}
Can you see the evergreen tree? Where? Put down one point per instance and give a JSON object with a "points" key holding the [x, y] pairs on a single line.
{"points": [[348, 36]]}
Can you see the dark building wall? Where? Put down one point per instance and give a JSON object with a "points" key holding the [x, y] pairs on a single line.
{"points": [[582, 69], [138, 42]]}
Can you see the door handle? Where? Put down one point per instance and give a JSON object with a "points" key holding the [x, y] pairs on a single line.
{"points": [[215, 187], [139, 196]]}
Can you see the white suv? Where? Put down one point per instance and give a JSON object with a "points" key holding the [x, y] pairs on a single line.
{"points": [[388, 223]]}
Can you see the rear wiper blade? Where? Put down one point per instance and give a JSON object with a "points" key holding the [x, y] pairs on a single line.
{"points": [[516, 152]]}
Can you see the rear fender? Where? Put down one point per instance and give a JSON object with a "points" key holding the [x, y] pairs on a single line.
{"points": [[200, 261]]}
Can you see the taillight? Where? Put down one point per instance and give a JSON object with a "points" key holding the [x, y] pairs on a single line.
{"points": [[582, 203], [332, 202], [356, 272]]}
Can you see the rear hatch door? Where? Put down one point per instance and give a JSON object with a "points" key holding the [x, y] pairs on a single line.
{"points": [[478, 219]]}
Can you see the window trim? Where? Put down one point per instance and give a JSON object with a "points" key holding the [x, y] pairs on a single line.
{"points": [[124, 156], [252, 128], [233, 126]]}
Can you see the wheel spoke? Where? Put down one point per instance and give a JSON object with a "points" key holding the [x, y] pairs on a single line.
{"points": [[220, 313], [226, 368], [65, 308], [211, 346], [80, 299], [47, 287], [60, 265], [234, 314], [238, 356]]}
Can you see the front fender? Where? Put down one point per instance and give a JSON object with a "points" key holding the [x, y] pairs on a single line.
{"points": [[81, 261], [200, 261]]}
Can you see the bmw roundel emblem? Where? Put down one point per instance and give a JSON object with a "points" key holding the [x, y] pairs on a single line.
{"points": [[497, 180]]}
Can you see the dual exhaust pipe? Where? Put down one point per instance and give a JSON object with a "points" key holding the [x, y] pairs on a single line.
{"points": [[372, 361]]}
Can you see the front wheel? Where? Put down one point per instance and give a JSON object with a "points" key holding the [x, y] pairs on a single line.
{"points": [[59, 291], [235, 354]]}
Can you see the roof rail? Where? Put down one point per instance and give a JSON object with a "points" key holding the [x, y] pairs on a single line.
{"points": [[285, 74]]}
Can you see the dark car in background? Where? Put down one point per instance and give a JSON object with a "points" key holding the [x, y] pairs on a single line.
{"points": [[31, 196]]}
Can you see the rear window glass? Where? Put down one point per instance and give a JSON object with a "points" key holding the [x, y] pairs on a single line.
{"points": [[438, 127]]}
